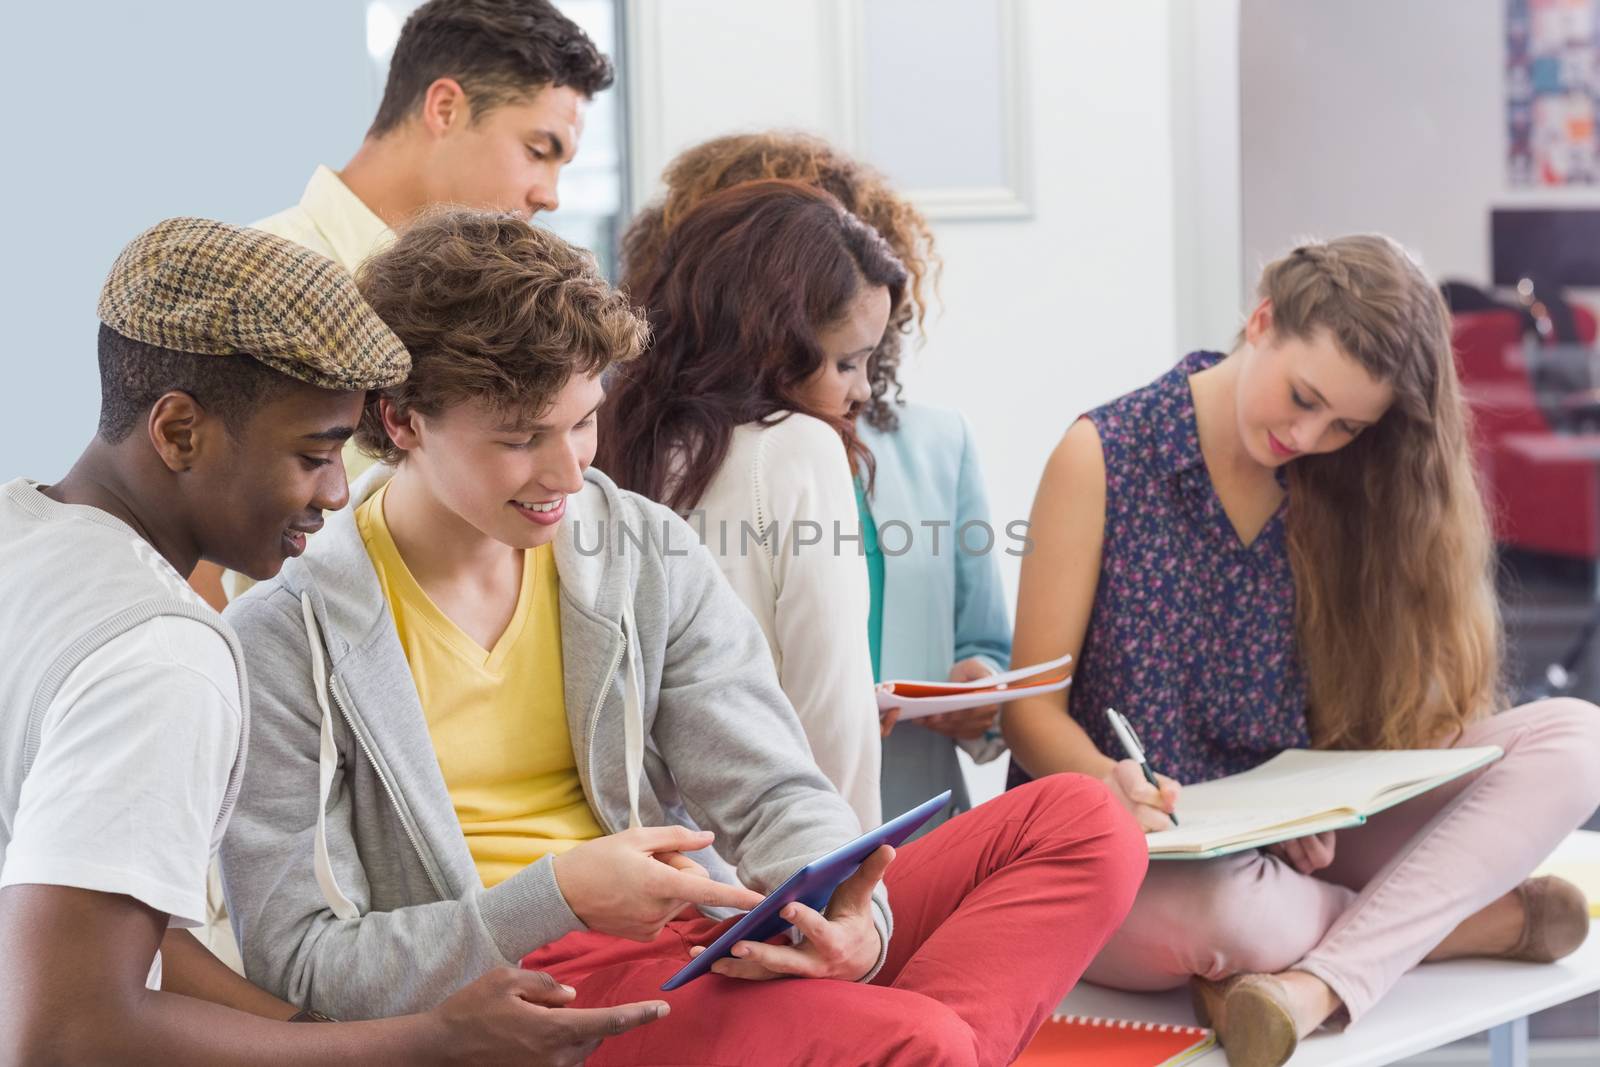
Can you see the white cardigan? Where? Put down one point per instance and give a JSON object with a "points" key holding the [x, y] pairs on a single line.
{"points": [[792, 482]]}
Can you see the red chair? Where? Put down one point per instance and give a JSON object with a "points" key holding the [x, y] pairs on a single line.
{"points": [[1541, 504]]}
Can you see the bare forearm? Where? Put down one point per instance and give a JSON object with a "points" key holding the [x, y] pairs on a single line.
{"points": [[1044, 739], [161, 1028], [72, 970], [188, 968]]}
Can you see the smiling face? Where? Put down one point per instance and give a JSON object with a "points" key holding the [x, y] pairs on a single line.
{"points": [[504, 476], [261, 491], [510, 158], [841, 384], [1299, 396]]}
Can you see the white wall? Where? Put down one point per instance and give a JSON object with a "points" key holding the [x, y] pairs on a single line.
{"points": [[1205, 137], [1046, 317], [1042, 317], [1376, 115], [124, 114]]}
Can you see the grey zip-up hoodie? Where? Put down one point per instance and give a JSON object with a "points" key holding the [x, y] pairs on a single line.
{"points": [[359, 898]]}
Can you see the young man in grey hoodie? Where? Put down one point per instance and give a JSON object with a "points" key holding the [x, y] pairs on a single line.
{"points": [[507, 711]]}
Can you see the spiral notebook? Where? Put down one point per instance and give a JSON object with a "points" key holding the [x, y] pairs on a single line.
{"points": [[1079, 1041]]}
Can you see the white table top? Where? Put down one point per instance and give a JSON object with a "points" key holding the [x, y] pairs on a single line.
{"points": [[1432, 1006]]}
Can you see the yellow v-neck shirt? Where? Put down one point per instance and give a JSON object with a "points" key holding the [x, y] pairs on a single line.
{"points": [[497, 717]]}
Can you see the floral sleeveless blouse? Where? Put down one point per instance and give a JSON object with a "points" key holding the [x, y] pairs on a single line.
{"points": [[1192, 634]]}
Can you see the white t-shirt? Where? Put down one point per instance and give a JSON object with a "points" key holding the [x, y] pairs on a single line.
{"points": [[131, 771], [134, 757]]}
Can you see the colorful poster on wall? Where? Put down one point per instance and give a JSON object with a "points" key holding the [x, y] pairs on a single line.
{"points": [[1552, 91]]}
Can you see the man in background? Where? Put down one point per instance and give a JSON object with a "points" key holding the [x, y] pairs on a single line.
{"points": [[483, 108]]}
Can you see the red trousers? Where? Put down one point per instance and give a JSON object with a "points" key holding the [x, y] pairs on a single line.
{"points": [[996, 915]]}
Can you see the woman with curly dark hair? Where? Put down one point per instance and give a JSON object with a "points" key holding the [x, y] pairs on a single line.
{"points": [[726, 161], [768, 300], [937, 610]]}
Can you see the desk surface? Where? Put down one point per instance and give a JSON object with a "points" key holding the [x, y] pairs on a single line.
{"points": [[1432, 1006]]}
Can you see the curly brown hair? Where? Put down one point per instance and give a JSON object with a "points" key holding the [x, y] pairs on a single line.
{"points": [[492, 310], [726, 161], [733, 305]]}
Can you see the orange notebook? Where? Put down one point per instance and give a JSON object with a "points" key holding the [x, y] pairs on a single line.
{"points": [[950, 689], [917, 699], [1079, 1041]]}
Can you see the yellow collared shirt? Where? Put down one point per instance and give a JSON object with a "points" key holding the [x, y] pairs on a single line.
{"points": [[334, 221]]}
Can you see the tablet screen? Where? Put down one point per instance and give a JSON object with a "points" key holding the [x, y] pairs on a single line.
{"points": [[812, 885]]}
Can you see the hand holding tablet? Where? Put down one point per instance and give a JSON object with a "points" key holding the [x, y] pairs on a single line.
{"points": [[812, 886]]}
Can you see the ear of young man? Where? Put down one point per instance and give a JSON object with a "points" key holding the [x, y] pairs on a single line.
{"points": [[248, 496]]}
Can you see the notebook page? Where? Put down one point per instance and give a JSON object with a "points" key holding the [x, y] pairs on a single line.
{"points": [[1221, 828], [1301, 792], [1301, 780]]}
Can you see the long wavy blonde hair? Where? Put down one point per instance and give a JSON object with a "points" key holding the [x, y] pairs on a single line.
{"points": [[1389, 542]]}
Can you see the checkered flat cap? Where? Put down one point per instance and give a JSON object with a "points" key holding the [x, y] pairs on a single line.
{"points": [[205, 287]]}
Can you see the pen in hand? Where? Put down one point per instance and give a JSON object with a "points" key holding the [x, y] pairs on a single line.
{"points": [[1135, 751]]}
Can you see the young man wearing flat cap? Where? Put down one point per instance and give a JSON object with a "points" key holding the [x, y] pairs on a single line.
{"points": [[233, 368], [483, 108]]}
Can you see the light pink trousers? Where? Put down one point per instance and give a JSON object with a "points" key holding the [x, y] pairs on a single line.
{"points": [[1397, 886]]}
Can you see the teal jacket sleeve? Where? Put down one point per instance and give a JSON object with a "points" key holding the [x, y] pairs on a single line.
{"points": [[982, 620]]}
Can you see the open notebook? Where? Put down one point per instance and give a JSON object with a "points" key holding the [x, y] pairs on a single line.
{"points": [[1298, 793], [1079, 1041]]}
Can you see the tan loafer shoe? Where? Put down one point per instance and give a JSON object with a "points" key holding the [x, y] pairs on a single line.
{"points": [[1251, 1018], [1556, 920], [1208, 998]]}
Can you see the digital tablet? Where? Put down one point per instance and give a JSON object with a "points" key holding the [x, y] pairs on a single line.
{"points": [[812, 885]]}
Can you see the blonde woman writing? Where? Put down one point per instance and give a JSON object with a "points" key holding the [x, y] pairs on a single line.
{"points": [[1280, 547]]}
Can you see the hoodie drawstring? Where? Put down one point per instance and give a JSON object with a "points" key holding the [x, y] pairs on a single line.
{"points": [[632, 715], [327, 764]]}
